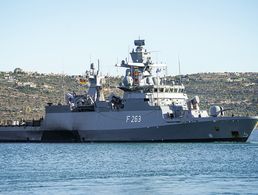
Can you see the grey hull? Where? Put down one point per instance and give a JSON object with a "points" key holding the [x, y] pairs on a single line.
{"points": [[20, 134], [228, 129], [207, 131]]}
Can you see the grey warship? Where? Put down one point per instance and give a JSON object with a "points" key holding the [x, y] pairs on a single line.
{"points": [[152, 109]]}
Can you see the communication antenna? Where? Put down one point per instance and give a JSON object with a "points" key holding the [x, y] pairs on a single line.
{"points": [[63, 86], [98, 67], [179, 65], [128, 59], [179, 69], [90, 58]]}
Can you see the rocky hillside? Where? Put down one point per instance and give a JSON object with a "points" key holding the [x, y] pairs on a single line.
{"points": [[23, 95], [238, 91]]}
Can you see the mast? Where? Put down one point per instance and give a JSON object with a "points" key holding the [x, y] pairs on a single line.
{"points": [[98, 67], [139, 74], [179, 70], [179, 65]]}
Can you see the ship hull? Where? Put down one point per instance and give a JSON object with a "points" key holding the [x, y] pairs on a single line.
{"points": [[20, 134], [205, 131], [236, 129]]}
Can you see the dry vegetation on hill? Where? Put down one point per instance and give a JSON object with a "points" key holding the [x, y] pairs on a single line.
{"points": [[24, 95]]}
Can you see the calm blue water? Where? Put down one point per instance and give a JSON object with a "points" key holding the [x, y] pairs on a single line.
{"points": [[130, 168]]}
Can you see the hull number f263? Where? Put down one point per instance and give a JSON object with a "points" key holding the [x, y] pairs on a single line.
{"points": [[133, 119]]}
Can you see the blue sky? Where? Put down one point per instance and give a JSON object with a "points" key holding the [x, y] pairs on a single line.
{"points": [[64, 36]]}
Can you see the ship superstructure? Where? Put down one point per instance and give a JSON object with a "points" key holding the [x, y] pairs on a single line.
{"points": [[145, 76]]}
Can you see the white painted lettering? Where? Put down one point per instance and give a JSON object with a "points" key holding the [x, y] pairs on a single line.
{"points": [[133, 119], [127, 118]]}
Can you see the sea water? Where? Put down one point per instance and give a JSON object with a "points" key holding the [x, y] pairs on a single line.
{"points": [[130, 168]]}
